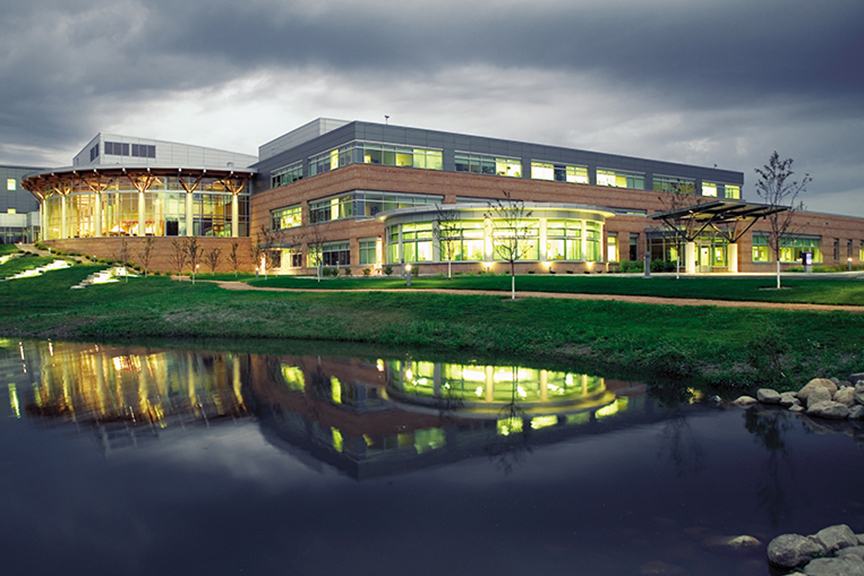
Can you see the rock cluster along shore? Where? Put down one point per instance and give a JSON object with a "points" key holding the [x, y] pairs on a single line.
{"points": [[833, 551], [821, 397]]}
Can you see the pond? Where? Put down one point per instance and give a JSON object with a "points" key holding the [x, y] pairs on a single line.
{"points": [[146, 460]]}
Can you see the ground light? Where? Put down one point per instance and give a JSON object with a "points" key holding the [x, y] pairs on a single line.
{"points": [[408, 275]]}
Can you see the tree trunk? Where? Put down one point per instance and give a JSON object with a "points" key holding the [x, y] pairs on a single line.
{"points": [[778, 271], [512, 281], [449, 269]]}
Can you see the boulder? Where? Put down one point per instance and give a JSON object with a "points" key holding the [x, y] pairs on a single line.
{"points": [[796, 408], [853, 551], [742, 542], [860, 538], [745, 401], [845, 566], [859, 392], [835, 380], [856, 412], [845, 396], [768, 396], [789, 399], [818, 395], [791, 550], [829, 409], [856, 378], [816, 383], [836, 537]]}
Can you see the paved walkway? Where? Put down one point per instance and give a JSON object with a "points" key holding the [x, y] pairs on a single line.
{"points": [[235, 285]]}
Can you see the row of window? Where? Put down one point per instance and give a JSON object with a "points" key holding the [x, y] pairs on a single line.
{"points": [[364, 204], [124, 149], [359, 152]]}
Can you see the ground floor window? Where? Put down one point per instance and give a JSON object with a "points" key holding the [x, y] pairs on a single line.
{"points": [[791, 248], [369, 252], [336, 254]]}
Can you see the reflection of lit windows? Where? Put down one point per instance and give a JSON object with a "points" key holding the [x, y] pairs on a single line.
{"points": [[293, 377], [543, 422], [509, 426], [337, 439]]}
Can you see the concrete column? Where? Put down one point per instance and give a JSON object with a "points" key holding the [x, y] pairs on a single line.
{"points": [[97, 215], [142, 221], [732, 257], [690, 258], [188, 213], [543, 240], [63, 216], [235, 215], [584, 241]]}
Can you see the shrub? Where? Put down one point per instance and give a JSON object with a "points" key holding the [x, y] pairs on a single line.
{"points": [[631, 266], [388, 270], [569, 271], [347, 271], [662, 266], [329, 271], [367, 272]]}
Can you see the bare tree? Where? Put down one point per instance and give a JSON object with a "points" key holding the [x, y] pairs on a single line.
{"points": [[684, 228], [194, 253], [448, 233], [315, 248], [234, 258], [178, 257], [776, 188], [511, 232], [146, 254], [214, 257]]}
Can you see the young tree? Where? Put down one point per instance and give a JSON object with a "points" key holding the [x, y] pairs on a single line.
{"points": [[511, 232], [234, 257], [448, 233], [146, 254], [194, 253], [315, 248], [685, 229], [178, 257], [214, 257], [776, 188]]}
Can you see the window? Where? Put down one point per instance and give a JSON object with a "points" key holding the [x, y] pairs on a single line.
{"points": [[634, 246], [327, 161], [11, 184], [417, 242], [336, 253], [94, 152], [732, 191], [709, 189], [791, 248], [331, 209], [559, 173], [620, 179], [482, 164], [523, 237], [403, 156], [612, 247], [849, 250], [289, 217], [286, 175], [564, 240], [369, 252], [674, 184], [836, 249], [124, 149], [593, 242], [362, 203]]}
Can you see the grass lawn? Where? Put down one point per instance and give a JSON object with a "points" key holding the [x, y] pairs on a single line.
{"points": [[809, 290], [741, 348], [7, 249], [26, 262]]}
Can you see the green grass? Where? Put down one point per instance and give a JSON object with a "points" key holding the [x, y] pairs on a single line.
{"points": [[26, 262], [840, 291], [7, 249], [740, 348]]}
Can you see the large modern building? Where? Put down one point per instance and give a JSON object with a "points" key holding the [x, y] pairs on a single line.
{"points": [[19, 210], [366, 197]]}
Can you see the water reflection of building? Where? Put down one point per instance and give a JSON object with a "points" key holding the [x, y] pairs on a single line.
{"points": [[127, 395], [365, 417], [390, 416]]}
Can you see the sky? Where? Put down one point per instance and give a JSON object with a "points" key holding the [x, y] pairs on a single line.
{"points": [[699, 82]]}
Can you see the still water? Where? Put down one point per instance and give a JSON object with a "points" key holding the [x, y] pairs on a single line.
{"points": [[141, 460]]}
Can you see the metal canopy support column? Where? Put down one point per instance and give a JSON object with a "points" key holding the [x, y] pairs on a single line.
{"points": [[690, 257], [733, 257], [141, 182], [189, 190], [235, 186]]}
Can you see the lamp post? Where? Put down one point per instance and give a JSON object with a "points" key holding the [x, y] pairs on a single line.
{"points": [[408, 275], [849, 263]]}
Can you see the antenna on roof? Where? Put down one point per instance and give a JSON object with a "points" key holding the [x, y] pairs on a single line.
{"points": [[386, 119]]}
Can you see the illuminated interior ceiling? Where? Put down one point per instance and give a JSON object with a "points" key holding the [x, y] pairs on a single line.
{"points": [[732, 219]]}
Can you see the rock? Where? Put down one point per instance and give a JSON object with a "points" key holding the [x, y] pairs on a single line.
{"points": [[732, 542], [836, 537], [860, 538], [852, 550], [745, 401], [856, 412], [789, 399], [856, 378], [845, 384], [845, 566], [768, 396], [791, 550], [818, 395], [796, 408], [835, 380], [859, 392], [831, 410], [845, 396], [816, 383], [658, 568]]}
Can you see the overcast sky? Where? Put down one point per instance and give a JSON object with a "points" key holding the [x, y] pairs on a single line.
{"points": [[696, 81]]}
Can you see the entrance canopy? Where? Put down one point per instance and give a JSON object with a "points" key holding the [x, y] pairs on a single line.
{"points": [[732, 219]]}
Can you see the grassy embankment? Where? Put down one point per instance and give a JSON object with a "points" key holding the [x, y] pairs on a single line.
{"points": [[710, 345]]}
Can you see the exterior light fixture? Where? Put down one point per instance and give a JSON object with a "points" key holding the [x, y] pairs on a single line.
{"points": [[408, 275], [849, 262]]}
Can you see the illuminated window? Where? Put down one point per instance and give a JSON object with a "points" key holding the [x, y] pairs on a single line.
{"points": [[289, 217], [11, 184], [620, 179], [564, 240], [482, 164], [709, 189], [368, 252], [559, 172], [612, 247], [674, 185], [417, 242], [791, 248], [732, 191], [520, 240]]}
